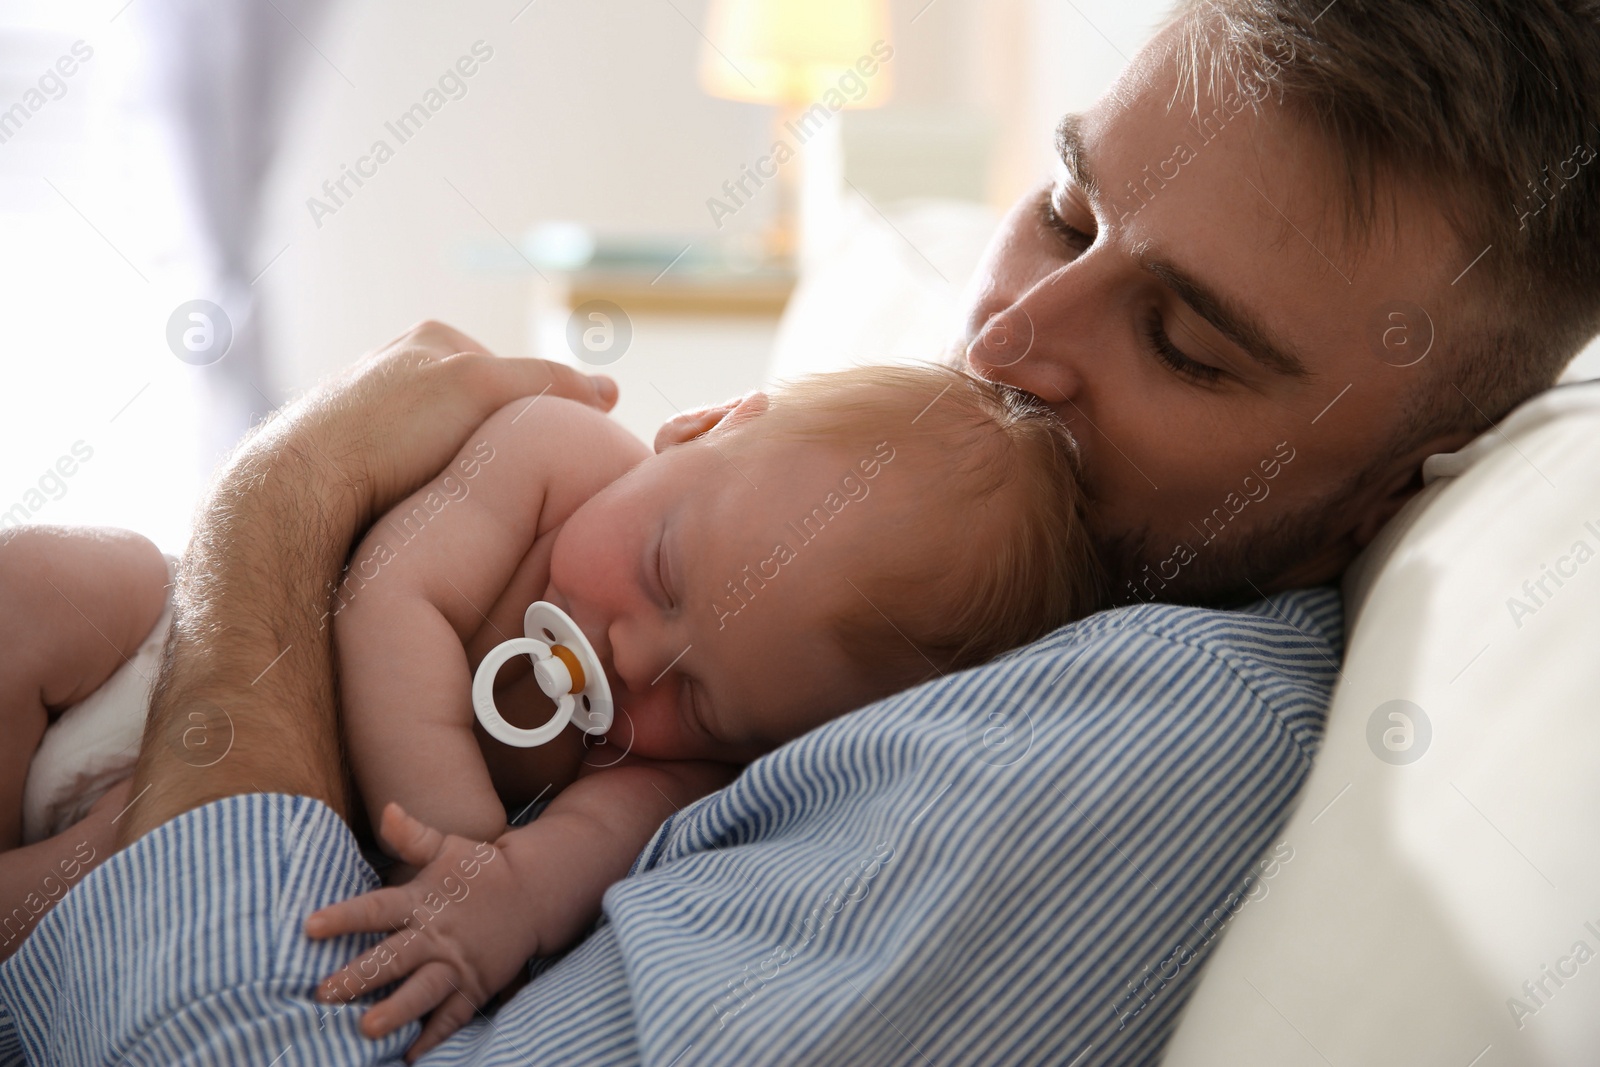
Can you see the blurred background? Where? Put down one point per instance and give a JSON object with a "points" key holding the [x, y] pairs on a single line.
{"points": [[207, 205]]}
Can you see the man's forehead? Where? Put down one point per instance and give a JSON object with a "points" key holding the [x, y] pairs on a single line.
{"points": [[1166, 96], [1251, 200]]}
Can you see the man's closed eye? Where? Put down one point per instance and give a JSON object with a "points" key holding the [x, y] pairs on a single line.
{"points": [[1074, 238], [1160, 344]]}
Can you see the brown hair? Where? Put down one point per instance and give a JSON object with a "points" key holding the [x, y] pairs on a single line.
{"points": [[1496, 103], [997, 556]]}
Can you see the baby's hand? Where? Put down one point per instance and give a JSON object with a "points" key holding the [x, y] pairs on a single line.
{"points": [[457, 932]]}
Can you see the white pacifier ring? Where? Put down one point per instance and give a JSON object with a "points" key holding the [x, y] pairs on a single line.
{"points": [[567, 670]]}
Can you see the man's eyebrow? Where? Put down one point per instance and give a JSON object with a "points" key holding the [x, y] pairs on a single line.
{"points": [[1234, 324], [1069, 145]]}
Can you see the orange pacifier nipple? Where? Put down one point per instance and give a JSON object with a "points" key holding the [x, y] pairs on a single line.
{"points": [[574, 668]]}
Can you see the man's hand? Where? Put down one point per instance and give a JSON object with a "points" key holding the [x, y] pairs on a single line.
{"points": [[395, 418], [248, 667], [460, 927]]}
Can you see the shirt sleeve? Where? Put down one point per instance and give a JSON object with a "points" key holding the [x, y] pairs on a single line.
{"points": [[186, 947]]}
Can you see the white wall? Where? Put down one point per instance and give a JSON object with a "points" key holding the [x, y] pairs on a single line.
{"points": [[586, 111], [92, 262]]}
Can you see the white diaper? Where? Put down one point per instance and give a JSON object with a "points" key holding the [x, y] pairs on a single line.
{"points": [[94, 743]]}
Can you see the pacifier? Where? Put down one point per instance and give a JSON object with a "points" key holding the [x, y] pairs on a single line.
{"points": [[566, 668]]}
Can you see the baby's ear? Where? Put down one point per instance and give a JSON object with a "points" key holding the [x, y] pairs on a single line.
{"points": [[745, 410], [691, 424]]}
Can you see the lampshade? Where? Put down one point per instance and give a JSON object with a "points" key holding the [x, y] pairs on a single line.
{"points": [[792, 52]]}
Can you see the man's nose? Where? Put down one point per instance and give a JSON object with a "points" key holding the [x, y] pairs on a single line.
{"points": [[1033, 344], [1005, 339]]}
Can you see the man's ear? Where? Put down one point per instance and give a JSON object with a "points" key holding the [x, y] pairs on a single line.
{"points": [[683, 428], [1405, 482]]}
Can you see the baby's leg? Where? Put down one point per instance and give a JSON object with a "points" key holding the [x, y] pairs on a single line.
{"points": [[34, 878], [78, 602]]}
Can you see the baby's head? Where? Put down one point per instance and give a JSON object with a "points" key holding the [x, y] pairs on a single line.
{"points": [[846, 537]]}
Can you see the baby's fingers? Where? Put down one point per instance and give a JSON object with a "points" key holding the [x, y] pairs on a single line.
{"points": [[391, 960], [421, 992], [381, 909], [452, 1015], [412, 840]]}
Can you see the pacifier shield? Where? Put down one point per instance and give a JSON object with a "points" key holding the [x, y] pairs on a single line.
{"points": [[568, 671], [590, 689]]}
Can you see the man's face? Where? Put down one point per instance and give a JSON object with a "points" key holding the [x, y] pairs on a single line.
{"points": [[1235, 369]]}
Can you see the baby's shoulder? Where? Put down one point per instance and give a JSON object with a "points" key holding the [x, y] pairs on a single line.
{"points": [[561, 449], [545, 425]]}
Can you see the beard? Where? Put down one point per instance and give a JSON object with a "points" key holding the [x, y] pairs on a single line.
{"points": [[1238, 565]]}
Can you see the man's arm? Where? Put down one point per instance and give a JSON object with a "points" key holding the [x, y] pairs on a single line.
{"points": [[248, 655]]}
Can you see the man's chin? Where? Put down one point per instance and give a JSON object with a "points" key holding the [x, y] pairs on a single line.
{"points": [[1232, 569]]}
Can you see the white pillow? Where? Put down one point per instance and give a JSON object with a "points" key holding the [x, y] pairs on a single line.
{"points": [[1445, 910]]}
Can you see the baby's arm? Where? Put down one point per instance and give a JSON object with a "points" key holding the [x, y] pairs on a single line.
{"points": [[449, 564], [477, 912]]}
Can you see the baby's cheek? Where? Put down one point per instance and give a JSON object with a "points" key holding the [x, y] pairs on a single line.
{"points": [[651, 729], [589, 555], [565, 558]]}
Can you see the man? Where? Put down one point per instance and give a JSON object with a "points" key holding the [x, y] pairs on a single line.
{"points": [[1296, 248]]}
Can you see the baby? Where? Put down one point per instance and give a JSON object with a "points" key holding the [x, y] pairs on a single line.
{"points": [[851, 536]]}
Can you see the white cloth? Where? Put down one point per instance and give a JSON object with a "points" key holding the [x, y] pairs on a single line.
{"points": [[93, 744]]}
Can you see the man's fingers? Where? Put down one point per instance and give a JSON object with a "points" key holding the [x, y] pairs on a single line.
{"points": [[438, 337], [442, 334], [496, 381], [412, 841], [452, 1015], [527, 378], [515, 378], [419, 994], [381, 909], [386, 425]]}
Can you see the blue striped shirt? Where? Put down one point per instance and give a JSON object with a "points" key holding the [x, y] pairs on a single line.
{"points": [[1023, 863]]}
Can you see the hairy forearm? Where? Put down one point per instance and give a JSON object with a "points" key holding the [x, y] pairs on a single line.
{"points": [[245, 698]]}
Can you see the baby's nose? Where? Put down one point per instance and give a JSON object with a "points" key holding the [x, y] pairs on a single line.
{"points": [[641, 658], [627, 658]]}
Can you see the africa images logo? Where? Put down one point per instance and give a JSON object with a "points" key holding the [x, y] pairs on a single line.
{"points": [[1399, 732]]}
